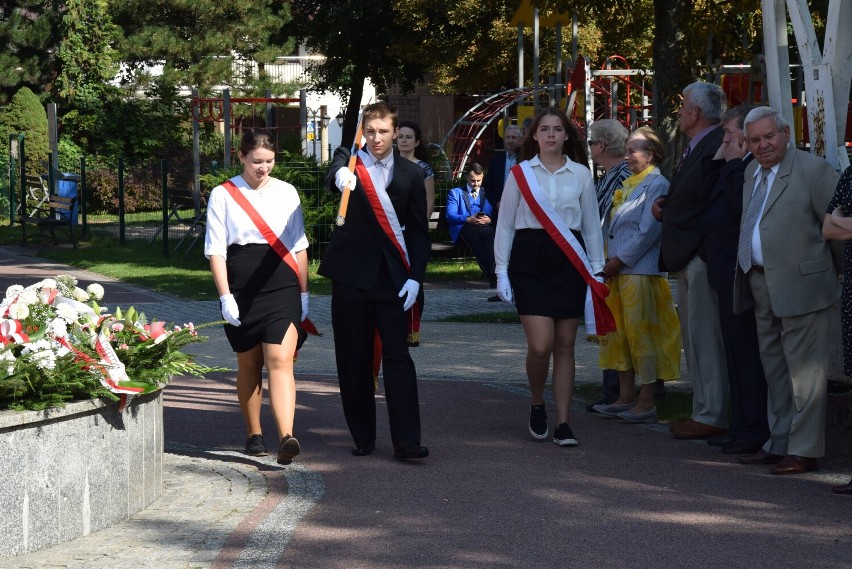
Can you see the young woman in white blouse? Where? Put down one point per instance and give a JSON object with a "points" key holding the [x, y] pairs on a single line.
{"points": [[548, 290], [262, 281]]}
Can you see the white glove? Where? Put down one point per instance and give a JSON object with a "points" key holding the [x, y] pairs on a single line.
{"points": [[411, 288], [230, 310], [504, 288], [600, 279], [343, 178], [305, 296]]}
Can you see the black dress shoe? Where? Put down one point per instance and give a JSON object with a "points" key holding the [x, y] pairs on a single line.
{"points": [[363, 450], [845, 489], [408, 450], [720, 441], [741, 447], [760, 457]]}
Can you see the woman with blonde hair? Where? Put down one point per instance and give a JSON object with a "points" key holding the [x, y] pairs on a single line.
{"points": [[648, 340]]}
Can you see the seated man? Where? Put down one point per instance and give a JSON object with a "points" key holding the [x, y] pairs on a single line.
{"points": [[469, 220]]}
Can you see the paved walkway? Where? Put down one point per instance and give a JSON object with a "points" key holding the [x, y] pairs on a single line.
{"points": [[628, 496]]}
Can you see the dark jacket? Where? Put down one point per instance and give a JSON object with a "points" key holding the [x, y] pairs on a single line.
{"points": [[720, 224], [359, 247], [685, 205]]}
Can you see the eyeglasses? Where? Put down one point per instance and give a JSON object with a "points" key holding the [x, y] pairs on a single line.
{"points": [[591, 142]]}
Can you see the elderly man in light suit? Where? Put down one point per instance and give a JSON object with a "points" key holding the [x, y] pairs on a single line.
{"points": [[788, 272]]}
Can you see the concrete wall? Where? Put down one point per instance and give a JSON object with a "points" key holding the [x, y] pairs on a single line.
{"points": [[67, 472]]}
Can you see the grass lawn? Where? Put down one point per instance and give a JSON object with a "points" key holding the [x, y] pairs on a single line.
{"points": [[188, 276]]}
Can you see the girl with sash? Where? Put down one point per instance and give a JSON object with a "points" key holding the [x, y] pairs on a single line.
{"points": [[648, 342], [548, 248], [257, 248]]}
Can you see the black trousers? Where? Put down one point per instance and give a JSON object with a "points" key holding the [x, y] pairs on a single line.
{"points": [[745, 371], [480, 239], [356, 316]]}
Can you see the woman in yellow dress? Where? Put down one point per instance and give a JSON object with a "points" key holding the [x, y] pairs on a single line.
{"points": [[648, 340]]}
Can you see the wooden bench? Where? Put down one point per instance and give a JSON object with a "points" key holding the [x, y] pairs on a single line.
{"points": [[55, 214], [439, 246]]}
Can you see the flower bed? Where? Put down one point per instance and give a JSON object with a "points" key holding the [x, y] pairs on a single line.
{"points": [[59, 344]]}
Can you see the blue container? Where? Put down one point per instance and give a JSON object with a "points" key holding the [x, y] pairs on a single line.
{"points": [[66, 186]]}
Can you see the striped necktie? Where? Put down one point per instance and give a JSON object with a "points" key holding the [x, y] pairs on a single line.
{"points": [[750, 220]]}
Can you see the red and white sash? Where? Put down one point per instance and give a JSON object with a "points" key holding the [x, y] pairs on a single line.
{"points": [[599, 319], [380, 201], [270, 236]]}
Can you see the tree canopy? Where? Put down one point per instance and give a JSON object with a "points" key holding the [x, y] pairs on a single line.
{"points": [[29, 36], [197, 42]]}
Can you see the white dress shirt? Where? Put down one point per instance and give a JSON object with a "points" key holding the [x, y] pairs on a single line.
{"points": [[228, 223], [571, 190], [380, 175]]}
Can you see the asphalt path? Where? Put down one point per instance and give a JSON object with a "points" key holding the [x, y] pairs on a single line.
{"points": [[487, 496]]}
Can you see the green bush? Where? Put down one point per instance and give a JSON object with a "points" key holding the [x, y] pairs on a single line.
{"points": [[142, 186], [4, 185], [25, 113], [69, 155]]}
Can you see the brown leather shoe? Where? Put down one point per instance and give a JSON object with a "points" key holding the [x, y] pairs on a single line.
{"points": [[696, 430], [674, 426], [845, 489], [793, 464], [760, 457]]}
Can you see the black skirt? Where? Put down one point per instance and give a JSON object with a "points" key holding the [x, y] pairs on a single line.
{"points": [[544, 282], [267, 293]]}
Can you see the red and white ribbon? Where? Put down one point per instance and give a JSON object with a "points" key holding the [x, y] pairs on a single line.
{"points": [[11, 331], [110, 369]]}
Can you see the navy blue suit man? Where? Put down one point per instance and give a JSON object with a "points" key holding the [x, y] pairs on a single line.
{"points": [[720, 228], [469, 220]]}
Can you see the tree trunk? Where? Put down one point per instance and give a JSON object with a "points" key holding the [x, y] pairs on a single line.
{"points": [[353, 106], [672, 71]]}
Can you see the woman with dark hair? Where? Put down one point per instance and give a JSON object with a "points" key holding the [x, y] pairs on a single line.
{"points": [[409, 142], [411, 147], [257, 248], [548, 249], [648, 339]]}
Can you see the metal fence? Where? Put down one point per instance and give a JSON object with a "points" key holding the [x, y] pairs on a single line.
{"points": [[155, 202]]}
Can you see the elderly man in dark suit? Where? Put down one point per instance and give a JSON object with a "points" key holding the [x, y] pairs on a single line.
{"points": [[723, 177], [376, 262], [788, 272], [680, 212]]}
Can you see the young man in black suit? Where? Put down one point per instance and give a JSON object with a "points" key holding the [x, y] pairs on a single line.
{"points": [[376, 261]]}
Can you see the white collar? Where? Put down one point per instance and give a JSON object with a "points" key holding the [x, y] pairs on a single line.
{"points": [[536, 161]]}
